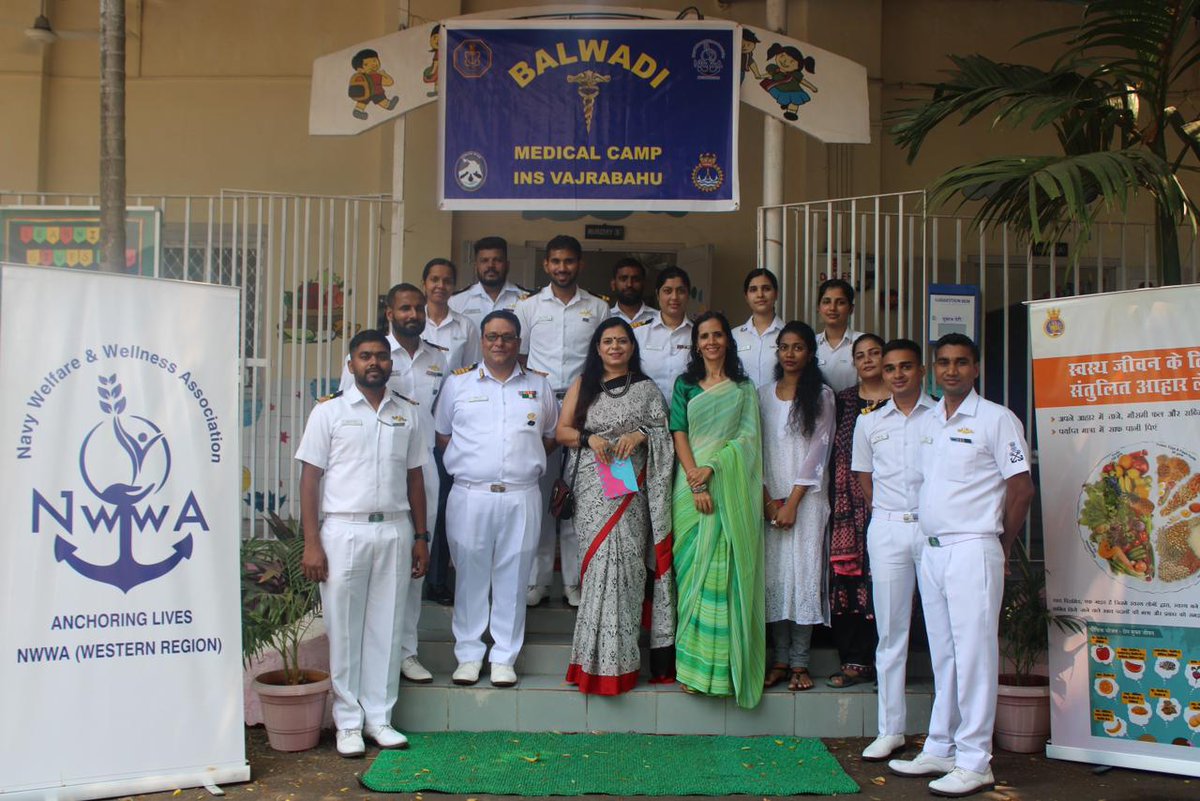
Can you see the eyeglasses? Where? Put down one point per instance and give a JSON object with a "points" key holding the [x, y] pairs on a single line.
{"points": [[507, 339]]}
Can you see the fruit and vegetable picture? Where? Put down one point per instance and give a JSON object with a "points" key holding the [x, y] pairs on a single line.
{"points": [[1139, 516]]}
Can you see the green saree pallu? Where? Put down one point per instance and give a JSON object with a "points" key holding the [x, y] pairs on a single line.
{"points": [[720, 636]]}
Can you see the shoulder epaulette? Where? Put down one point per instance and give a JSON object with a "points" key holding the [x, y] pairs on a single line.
{"points": [[640, 323], [435, 345], [464, 289], [607, 300], [465, 370], [538, 372], [330, 396], [405, 397], [526, 291], [525, 296]]}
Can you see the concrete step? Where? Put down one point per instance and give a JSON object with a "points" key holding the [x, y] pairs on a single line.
{"points": [[546, 703]]}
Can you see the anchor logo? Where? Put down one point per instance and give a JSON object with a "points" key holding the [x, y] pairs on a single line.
{"points": [[112, 444]]}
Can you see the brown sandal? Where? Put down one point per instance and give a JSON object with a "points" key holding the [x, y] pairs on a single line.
{"points": [[801, 680], [775, 674]]}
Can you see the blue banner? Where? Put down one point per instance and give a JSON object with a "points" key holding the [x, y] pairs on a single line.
{"points": [[587, 115]]}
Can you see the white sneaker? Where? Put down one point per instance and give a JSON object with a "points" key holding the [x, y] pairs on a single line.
{"points": [[884, 746], [962, 782], [350, 743], [572, 596], [503, 675], [535, 595], [386, 737], [466, 673], [924, 765], [414, 671]]}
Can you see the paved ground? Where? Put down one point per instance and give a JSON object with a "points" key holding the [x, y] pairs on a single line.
{"points": [[321, 774]]}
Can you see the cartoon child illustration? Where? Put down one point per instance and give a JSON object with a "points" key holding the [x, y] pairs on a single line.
{"points": [[368, 82], [785, 78], [430, 73], [749, 41]]}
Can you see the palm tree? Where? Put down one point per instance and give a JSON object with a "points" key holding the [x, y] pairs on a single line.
{"points": [[112, 135], [1108, 100]]}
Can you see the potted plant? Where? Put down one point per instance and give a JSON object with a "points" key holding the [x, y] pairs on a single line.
{"points": [[278, 606], [1023, 705]]}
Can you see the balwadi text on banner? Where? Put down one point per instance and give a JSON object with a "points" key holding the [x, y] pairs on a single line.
{"points": [[587, 115]]}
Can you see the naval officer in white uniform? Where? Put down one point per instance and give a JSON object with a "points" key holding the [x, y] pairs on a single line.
{"points": [[492, 290], [443, 326], [886, 453], [835, 343], [362, 455], [974, 497], [628, 283], [418, 369], [557, 325], [665, 341], [495, 422], [756, 337]]}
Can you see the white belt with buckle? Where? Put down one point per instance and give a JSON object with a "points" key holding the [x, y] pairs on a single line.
{"points": [[900, 517], [495, 486], [363, 517]]}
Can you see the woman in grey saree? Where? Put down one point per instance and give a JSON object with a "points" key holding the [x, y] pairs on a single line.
{"points": [[613, 411]]}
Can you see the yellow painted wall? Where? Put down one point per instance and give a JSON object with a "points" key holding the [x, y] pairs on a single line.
{"points": [[218, 95]]}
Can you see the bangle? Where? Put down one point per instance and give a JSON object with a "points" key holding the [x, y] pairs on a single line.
{"points": [[700, 489], [584, 436], [421, 535]]}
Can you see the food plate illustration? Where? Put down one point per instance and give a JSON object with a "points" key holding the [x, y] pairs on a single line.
{"points": [[1139, 516]]}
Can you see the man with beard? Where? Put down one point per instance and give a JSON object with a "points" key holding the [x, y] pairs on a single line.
{"points": [[418, 369], [493, 290], [557, 325], [362, 456], [628, 283]]}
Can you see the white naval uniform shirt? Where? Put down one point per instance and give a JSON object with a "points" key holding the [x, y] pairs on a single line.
{"points": [[457, 335], [475, 303], [556, 335], [644, 313], [837, 364], [887, 444], [366, 453], [757, 351], [496, 428], [418, 377], [664, 352], [965, 461]]}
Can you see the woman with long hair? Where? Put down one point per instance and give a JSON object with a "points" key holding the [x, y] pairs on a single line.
{"points": [[798, 418], [853, 612], [719, 639], [611, 413]]}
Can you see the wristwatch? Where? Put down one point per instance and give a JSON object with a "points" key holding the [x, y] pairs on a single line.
{"points": [[421, 535]]}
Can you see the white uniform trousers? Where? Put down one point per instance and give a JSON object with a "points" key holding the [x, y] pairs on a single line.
{"points": [[894, 551], [364, 599], [962, 582], [412, 607], [492, 538], [543, 568]]}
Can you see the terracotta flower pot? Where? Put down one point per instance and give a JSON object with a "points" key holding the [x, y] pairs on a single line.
{"points": [[1023, 715], [292, 713]]}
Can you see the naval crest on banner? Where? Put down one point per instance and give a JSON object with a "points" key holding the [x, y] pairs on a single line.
{"points": [[707, 175], [708, 58], [472, 58], [1054, 325]]}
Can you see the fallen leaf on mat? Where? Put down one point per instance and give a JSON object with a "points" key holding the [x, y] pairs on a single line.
{"points": [[779, 742], [745, 748], [531, 759], [879, 780], [177, 792]]}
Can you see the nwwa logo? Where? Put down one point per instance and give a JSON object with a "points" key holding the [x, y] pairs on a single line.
{"points": [[125, 464]]}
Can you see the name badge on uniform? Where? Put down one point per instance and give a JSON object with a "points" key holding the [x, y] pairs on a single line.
{"points": [[966, 440], [682, 347], [528, 394], [545, 318], [478, 399], [880, 437], [743, 347], [351, 422], [926, 440], [433, 371], [472, 310]]}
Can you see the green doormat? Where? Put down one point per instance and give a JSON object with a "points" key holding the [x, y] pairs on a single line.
{"points": [[516, 763]]}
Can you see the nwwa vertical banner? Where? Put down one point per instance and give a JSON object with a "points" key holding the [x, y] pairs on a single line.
{"points": [[120, 635], [1117, 394]]}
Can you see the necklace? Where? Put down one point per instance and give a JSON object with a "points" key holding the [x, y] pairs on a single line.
{"points": [[618, 393]]}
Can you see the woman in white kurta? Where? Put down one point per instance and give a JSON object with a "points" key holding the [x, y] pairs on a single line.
{"points": [[797, 422]]}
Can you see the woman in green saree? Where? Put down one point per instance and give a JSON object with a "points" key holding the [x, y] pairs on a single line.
{"points": [[717, 517]]}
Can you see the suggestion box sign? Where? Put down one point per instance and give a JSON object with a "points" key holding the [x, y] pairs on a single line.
{"points": [[581, 115]]}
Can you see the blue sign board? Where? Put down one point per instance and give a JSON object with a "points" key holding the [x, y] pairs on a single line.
{"points": [[589, 115]]}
